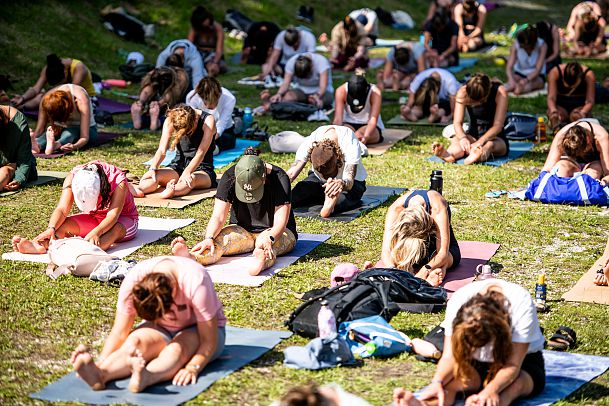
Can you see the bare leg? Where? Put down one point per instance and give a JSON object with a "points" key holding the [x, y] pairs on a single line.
{"points": [[201, 180], [496, 147], [328, 207], [69, 228], [163, 177], [164, 367], [136, 115], [454, 152], [115, 234], [180, 249], [374, 136], [594, 169], [6, 175], [522, 386], [154, 112]]}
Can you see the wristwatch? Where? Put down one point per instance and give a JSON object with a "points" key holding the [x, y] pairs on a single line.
{"points": [[272, 239]]}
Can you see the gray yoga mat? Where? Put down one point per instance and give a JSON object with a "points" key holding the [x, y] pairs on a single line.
{"points": [[373, 197], [242, 347]]}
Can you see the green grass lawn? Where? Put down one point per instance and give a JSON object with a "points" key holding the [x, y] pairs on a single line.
{"points": [[41, 321]]}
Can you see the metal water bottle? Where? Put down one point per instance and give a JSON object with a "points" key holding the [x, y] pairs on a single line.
{"points": [[436, 181], [540, 292], [326, 322]]}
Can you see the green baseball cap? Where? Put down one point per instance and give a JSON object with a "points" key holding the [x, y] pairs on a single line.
{"points": [[249, 179]]}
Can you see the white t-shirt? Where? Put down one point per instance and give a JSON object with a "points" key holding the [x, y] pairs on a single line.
{"points": [[310, 85], [449, 85], [223, 113], [370, 15], [525, 63], [306, 44], [525, 325], [348, 143]]}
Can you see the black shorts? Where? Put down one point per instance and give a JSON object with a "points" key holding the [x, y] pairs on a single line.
{"points": [[358, 126], [533, 364], [180, 166], [522, 75]]}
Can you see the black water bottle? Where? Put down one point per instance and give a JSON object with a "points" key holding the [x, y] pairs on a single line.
{"points": [[436, 181]]}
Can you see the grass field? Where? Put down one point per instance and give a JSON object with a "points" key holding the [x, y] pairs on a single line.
{"points": [[41, 321]]}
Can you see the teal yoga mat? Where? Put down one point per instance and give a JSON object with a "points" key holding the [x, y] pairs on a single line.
{"points": [[242, 347], [517, 149], [464, 63]]}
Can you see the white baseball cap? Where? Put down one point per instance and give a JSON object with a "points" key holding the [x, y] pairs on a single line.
{"points": [[85, 188], [135, 56]]}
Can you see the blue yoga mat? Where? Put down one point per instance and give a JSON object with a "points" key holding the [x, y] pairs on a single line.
{"points": [[222, 159], [464, 63], [517, 149], [565, 373], [242, 347]]}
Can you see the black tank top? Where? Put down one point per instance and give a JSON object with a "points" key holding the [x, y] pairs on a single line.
{"points": [[482, 116], [469, 20], [579, 91], [188, 145]]}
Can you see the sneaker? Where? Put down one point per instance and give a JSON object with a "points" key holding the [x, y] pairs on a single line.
{"points": [[319, 115]]}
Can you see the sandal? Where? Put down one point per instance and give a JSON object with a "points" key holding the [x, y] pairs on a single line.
{"points": [[495, 193], [563, 339]]}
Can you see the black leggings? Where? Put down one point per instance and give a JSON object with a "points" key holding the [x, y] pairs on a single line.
{"points": [[309, 192]]}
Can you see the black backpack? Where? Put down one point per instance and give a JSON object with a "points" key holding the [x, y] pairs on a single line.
{"points": [[135, 73], [292, 111], [377, 291], [520, 126], [385, 16]]}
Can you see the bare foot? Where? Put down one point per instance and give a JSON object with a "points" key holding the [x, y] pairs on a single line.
{"points": [[170, 190], [368, 265], [258, 262], [438, 150], [25, 246], [86, 368], [433, 113], [136, 115], [179, 248], [139, 375], [403, 397], [328, 207], [601, 280], [436, 277], [475, 155], [154, 111], [425, 348]]}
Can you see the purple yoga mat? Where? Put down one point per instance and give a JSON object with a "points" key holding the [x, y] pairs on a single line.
{"points": [[111, 106], [102, 138], [473, 253]]}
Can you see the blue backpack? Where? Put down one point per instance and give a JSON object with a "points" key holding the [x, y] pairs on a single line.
{"points": [[373, 336], [579, 190]]}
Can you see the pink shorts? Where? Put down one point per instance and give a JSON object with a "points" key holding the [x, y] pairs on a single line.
{"points": [[87, 222]]}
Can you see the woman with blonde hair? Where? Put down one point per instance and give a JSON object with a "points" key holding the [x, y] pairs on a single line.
{"points": [[419, 238], [492, 348], [182, 328], [194, 132], [69, 111], [486, 103]]}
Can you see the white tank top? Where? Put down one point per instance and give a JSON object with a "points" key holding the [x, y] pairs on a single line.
{"points": [[364, 115]]}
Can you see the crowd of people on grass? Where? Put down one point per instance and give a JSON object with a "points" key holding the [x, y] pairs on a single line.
{"points": [[492, 349]]}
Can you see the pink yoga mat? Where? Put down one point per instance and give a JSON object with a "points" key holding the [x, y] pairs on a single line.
{"points": [[102, 138], [473, 253]]}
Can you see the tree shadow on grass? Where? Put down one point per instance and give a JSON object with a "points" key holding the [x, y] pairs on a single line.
{"points": [[588, 392], [328, 250]]}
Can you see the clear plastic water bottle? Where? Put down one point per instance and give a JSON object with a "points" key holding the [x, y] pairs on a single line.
{"points": [[248, 118], [485, 273], [326, 322]]}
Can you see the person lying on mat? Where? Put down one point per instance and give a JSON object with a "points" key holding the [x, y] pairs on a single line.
{"points": [[358, 106], [402, 63], [194, 133], [107, 210], [288, 43], [160, 89], [258, 197], [441, 34], [307, 79], [189, 57], [492, 349], [17, 164], [526, 65], [57, 71], [214, 99], [550, 34], [337, 178], [586, 30], [419, 237], [69, 112], [590, 148], [470, 16], [486, 103], [348, 41], [208, 36], [432, 94], [571, 94], [182, 328]]}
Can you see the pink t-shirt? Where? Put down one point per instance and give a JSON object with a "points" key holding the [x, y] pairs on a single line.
{"points": [[195, 301], [115, 177]]}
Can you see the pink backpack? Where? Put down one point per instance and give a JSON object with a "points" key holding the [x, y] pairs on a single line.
{"points": [[74, 256]]}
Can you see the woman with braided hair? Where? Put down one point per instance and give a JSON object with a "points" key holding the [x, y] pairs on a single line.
{"points": [[108, 213], [337, 178], [182, 329], [419, 238], [194, 133], [492, 348]]}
